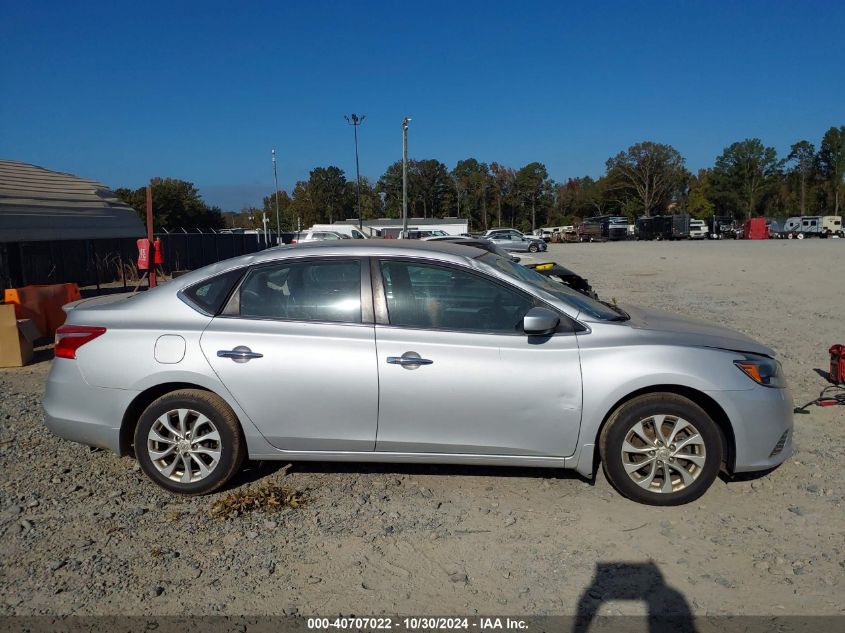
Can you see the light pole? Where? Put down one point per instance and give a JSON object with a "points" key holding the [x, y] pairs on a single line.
{"points": [[354, 120], [276, 195], [405, 123]]}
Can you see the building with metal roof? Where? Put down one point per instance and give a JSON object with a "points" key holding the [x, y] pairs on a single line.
{"points": [[38, 205]]}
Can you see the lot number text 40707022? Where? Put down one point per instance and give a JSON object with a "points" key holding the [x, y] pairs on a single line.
{"points": [[417, 623]]}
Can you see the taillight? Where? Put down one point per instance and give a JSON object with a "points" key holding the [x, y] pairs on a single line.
{"points": [[70, 338]]}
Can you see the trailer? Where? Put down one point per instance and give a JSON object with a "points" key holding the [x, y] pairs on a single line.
{"points": [[663, 227], [799, 227]]}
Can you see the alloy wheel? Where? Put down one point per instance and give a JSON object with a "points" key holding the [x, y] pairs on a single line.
{"points": [[184, 445], [663, 453]]}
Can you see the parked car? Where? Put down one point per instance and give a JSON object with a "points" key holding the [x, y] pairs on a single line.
{"points": [[420, 234], [697, 229], [563, 275], [349, 230], [317, 236], [223, 358], [475, 242], [552, 270], [513, 240]]}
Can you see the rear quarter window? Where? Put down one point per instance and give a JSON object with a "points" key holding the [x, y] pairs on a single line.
{"points": [[208, 296]]}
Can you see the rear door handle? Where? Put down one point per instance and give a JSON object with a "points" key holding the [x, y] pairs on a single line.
{"points": [[240, 354], [409, 360]]}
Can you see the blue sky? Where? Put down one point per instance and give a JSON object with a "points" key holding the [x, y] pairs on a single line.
{"points": [[122, 92]]}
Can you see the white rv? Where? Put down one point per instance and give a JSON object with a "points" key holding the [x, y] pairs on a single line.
{"points": [[799, 227]]}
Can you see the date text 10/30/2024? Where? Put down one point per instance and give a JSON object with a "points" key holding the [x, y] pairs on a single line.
{"points": [[417, 623]]}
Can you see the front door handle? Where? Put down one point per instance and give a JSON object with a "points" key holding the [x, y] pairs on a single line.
{"points": [[409, 360], [240, 354]]}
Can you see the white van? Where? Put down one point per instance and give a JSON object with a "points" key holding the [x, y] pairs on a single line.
{"points": [[350, 230]]}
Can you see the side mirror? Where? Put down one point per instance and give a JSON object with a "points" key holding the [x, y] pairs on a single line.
{"points": [[540, 322]]}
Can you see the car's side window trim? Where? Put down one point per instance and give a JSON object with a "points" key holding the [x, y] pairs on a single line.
{"points": [[378, 292], [382, 317], [231, 309]]}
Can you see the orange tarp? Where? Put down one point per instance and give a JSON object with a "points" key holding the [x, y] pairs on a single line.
{"points": [[42, 304]]}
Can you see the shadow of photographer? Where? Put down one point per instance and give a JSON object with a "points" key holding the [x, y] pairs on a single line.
{"points": [[667, 608]]}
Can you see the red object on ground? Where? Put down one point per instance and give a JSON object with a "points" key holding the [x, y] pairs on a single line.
{"points": [[755, 229], [837, 364], [42, 304]]}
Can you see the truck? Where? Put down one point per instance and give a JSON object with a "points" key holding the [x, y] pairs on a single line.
{"points": [[614, 227], [721, 227]]}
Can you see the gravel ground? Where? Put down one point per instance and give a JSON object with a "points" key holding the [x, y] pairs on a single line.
{"points": [[83, 532]]}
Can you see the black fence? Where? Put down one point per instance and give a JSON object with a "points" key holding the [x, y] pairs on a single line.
{"points": [[104, 262]]}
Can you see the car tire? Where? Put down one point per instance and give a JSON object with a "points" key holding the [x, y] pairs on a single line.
{"points": [[533, 248], [165, 449], [630, 438], [800, 236]]}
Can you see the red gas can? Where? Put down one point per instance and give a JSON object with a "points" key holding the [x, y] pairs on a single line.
{"points": [[837, 365]]}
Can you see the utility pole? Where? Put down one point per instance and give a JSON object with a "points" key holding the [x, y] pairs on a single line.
{"points": [[405, 123], [150, 238], [354, 120], [458, 190], [276, 195], [265, 221]]}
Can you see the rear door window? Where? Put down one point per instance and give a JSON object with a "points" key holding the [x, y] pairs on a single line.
{"points": [[325, 291]]}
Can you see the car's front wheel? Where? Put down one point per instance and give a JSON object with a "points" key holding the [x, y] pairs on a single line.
{"points": [[189, 442], [661, 449], [533, 248]]}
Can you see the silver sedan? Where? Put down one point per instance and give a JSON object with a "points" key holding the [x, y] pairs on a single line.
{"points": [[397, 351]]}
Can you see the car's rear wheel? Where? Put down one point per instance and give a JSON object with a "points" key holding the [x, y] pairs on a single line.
{"points": [[189, 442], [661, 449]]}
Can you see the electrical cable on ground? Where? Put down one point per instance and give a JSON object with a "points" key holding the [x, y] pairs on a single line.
{"points": [[830, 396]]}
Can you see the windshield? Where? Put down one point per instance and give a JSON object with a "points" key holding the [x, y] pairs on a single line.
{"points": [[581, 302]]}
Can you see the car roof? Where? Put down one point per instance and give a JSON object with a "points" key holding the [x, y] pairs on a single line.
{"points": [[445, 251], [380, 246]]}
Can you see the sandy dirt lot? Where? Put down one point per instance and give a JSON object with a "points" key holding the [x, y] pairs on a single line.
{"points": [[83, 532]]}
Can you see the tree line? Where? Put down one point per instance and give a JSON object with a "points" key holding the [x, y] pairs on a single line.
{"points": [[747, 179]]}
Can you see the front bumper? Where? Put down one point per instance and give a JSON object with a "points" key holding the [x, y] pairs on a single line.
{"points": [[76, 411], [762, 422]]}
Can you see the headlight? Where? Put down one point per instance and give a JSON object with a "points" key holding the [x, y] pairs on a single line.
{"points": [[762, 370]]}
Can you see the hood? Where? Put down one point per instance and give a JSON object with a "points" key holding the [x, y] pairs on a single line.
{"points": [[670, 327]]}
